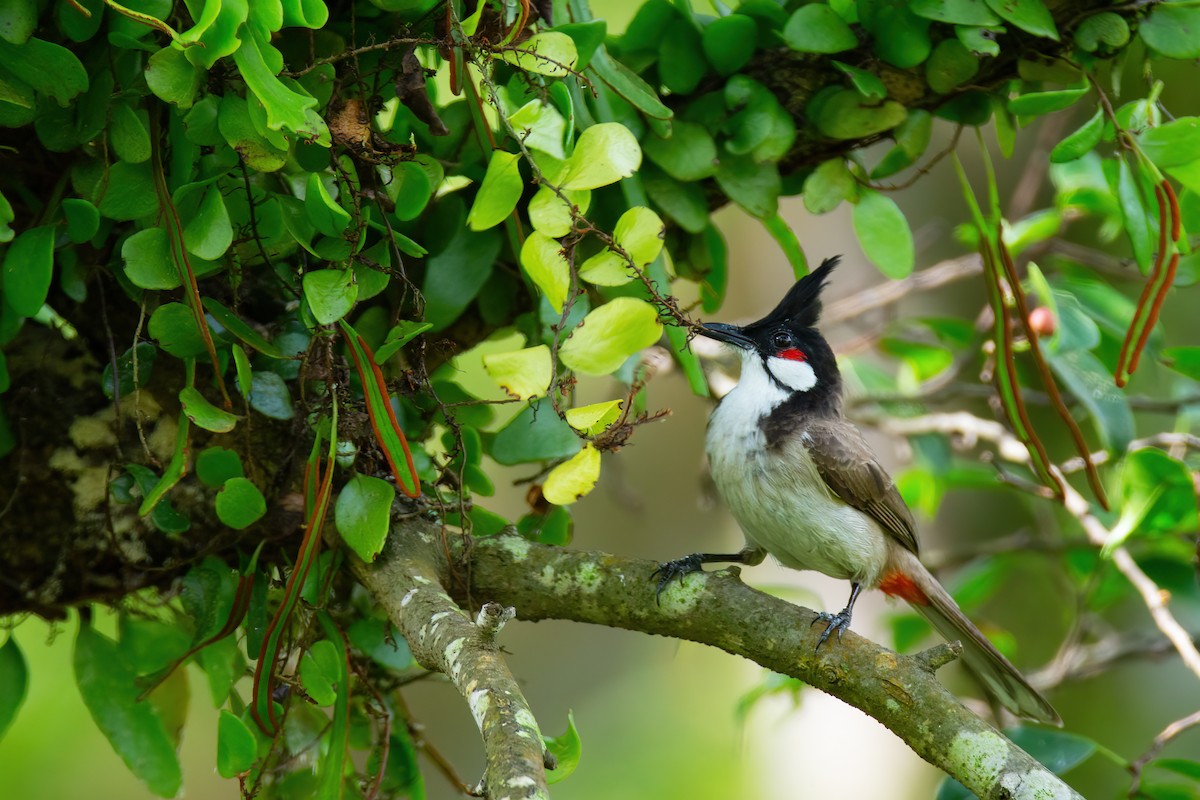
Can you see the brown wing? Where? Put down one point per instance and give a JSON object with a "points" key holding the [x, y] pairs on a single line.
{"points": [[850, 469]]}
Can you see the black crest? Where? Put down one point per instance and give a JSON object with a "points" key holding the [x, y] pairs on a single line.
{"points": [[801, 306]]}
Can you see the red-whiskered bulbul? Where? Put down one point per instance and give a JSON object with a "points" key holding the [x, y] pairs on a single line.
{"points": [[805, 486]]}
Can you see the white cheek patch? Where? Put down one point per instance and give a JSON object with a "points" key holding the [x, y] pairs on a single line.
{"points": [[796, 375]]}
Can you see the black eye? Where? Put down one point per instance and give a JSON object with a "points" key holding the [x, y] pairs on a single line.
{"points": [[782, 340]]}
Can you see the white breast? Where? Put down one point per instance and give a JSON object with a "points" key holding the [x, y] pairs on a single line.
{"points": [[778, 498]]}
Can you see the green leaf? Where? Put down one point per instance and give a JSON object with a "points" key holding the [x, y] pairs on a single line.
{"points": [[1173, 30], [899, 37], [83, 220], [330, 293], [240, 504], [321, 670], [828, 185], [573, 478], [729, 42], [1184, 360], [207, 231], [1103, 32], [639, 233], [237, 749], [1136, 215], [269, 396], [50, 69], [401, 334], [173, 78], [127, 379], [133, 727], [1028, 15], [454, 276], [234, 324], [1080, 142], [28, 269], [753, 186], [148, 261], [380, 642], [536, 434], [242, 373], [7, 216], [323, 211], [1158, 497], [549, 53], [683, 202], [174, 327], [587, 36], [609, 335], [238, 129], [681, 62], [884, 234], [868, 84], [14, 677], [817, 28], [629, 86], [566, 750], [844, 114], [129, 134], [1172, 144], [1057, 750], [524, 374], [1086, 377], [128, 192], [604, 154], [287, 110], [499, 192], [1035, 104], [215, 465], [18, 19], [949, 66], [912, 139], [204, 413], [363, 514], [955, 12], [543, 261], [690, 154]]}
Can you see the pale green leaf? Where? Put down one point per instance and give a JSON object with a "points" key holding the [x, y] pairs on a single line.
{"points": [[604, 154], [543, 261], [884, 234], [524, 374], [548, 53], [610, 334]]}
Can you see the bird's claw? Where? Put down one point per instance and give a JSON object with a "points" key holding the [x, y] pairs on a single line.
{"points": [[670, 570], [836, 622]]}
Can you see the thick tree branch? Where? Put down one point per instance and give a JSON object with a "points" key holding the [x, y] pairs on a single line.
{"points": [[718, 609], [405, 581]]}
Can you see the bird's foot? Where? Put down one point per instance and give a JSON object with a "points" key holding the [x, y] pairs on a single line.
{"points": [[678, 568], [836, 622]]}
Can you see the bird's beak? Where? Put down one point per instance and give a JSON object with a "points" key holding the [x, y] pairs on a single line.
{"points": [[730, 334]]}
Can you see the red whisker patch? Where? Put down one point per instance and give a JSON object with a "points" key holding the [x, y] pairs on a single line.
{"points": [[793, 354], [897, 584]]}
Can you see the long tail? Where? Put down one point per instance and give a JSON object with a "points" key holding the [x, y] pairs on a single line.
{"points": [[912, 582]]}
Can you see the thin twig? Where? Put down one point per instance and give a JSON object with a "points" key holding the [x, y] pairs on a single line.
{"points": [[1168, 733]]}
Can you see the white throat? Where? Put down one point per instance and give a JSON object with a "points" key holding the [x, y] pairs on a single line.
{"points": [[757, 395]]}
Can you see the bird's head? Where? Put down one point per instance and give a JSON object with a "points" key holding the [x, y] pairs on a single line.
{"points": [[785, 345]]}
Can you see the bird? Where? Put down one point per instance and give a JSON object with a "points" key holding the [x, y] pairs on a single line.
{"points": [[805, 487]]}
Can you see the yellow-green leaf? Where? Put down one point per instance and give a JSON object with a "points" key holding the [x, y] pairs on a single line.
{"points": [[574, 478], [499, 192], [610, 334], [549, 53], [594, 418], [550, 215], [545, 264], [604, 154], [524, 374]]}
